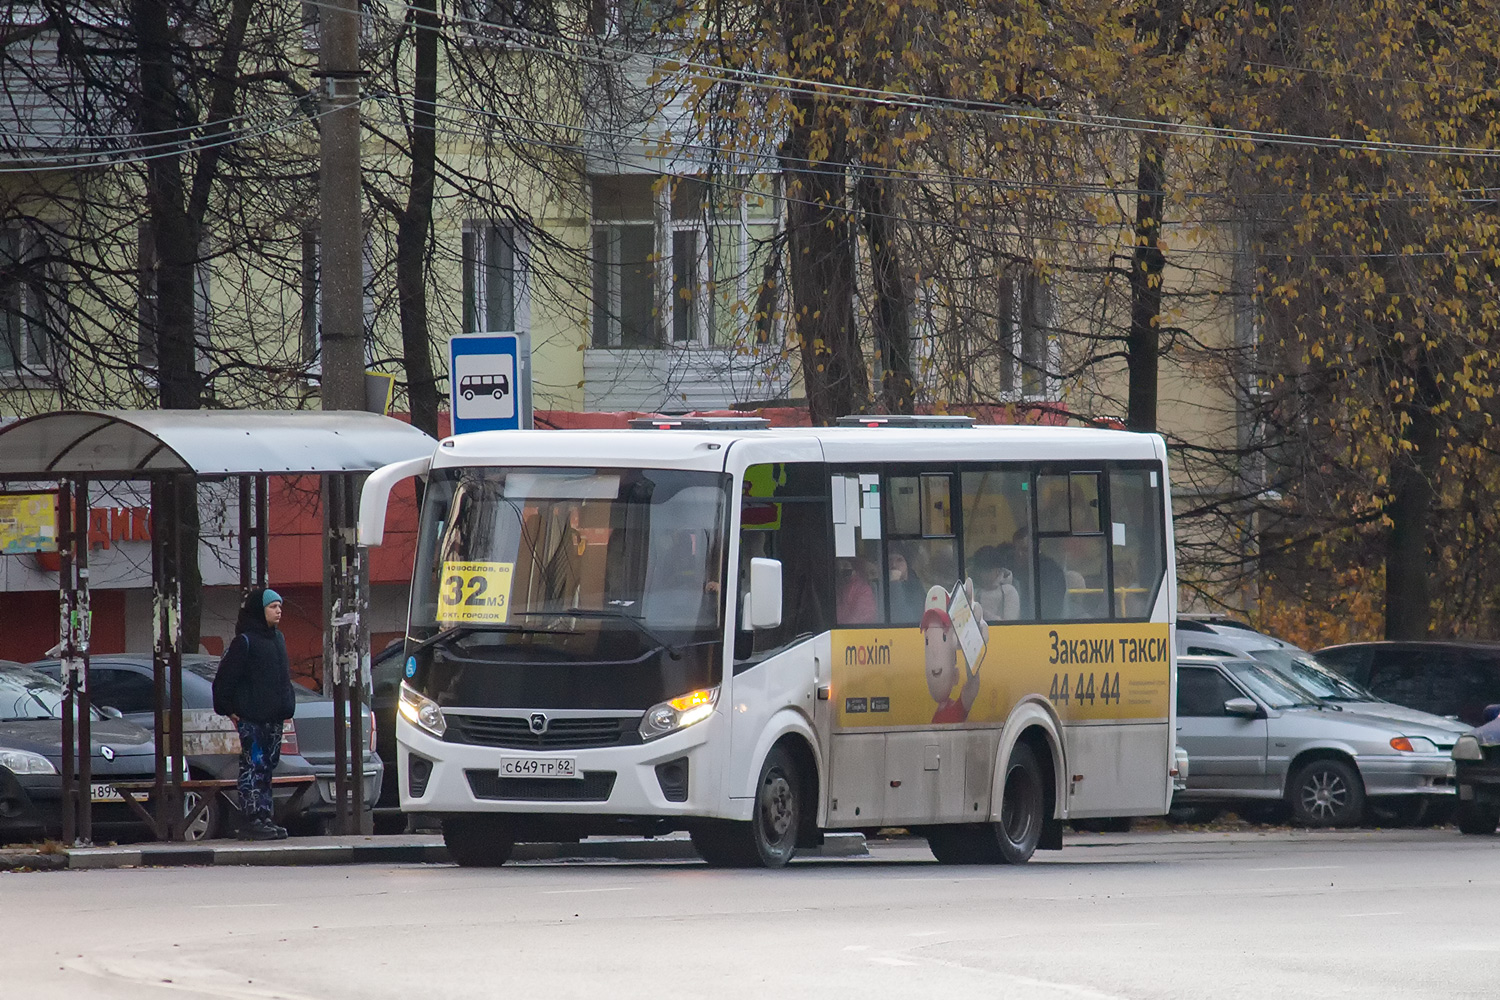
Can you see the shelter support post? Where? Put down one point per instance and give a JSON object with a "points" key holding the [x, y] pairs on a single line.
{"points": [[167, 496], [73, 634], [344, 649]]}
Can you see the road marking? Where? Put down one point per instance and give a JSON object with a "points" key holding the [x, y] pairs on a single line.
{"points": [[889, 960], [233, 906], [1380, 913], [569, 892], [1298, 868]]}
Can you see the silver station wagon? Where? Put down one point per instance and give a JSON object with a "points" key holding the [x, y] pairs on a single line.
{"points": [[1255, 736]]}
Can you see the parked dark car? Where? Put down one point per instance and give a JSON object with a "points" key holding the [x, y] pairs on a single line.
{"points": [[124, 682], [31, 759], [1477, 758], [1444, 678]]}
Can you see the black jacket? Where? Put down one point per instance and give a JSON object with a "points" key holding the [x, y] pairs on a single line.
{"points": [[255, 676]]}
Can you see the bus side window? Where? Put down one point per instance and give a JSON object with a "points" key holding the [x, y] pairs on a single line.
{"points": [[1136, 539], [784, 515], [1072, 568], [997, 543]]}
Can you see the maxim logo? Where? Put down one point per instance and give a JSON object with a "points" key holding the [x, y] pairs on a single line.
{"points": [[874, 654]]}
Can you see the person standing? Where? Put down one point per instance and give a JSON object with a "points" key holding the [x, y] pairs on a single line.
{"points": [[254, 689]]}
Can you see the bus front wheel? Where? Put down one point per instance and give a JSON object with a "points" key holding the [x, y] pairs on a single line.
{"points": [[478, 841], [769, 839]]}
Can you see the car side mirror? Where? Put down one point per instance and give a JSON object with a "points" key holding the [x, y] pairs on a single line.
{"points": [[1245, 707], [110, 712], [1491, 713], [765, 593]]}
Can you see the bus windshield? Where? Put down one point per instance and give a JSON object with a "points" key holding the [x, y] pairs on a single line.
{"points": [[537, 551]]}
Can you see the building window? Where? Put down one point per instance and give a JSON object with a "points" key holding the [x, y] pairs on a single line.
{"points": [[147, 264], [488, 19], [492, 262], [654, 242], [1025, 347], [26, 340], [625, 254]]}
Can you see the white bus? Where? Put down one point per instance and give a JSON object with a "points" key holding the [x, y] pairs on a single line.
{"points": [[757, 635]]}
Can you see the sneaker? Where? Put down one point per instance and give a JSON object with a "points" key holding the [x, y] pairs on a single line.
{"points": [[258, 830], [280, 831]]}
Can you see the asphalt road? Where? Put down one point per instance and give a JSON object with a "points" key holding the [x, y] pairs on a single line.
{"points": [[1365, 914]]}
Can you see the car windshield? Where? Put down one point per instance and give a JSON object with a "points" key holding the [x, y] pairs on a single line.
{"points": [[1305, 670], [1269, 686], [26, 694], [537, 554]]}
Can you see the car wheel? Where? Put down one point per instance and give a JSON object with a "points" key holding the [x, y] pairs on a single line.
{"points": [[209, 822], [1477, 820], [1326, 792], [965, 844], [769, 839], [478, 841]]}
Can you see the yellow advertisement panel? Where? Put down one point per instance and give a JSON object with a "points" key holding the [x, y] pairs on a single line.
{"points": [[921, 676], [28, 523], [474, 593]]}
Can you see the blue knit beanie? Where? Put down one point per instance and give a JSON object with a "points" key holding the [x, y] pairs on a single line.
{"points": [[269, 598]]}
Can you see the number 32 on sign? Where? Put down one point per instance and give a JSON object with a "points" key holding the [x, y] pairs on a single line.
{"points": [[474, 593]]}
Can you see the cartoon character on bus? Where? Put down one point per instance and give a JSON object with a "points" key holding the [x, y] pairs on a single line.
{"points": [[942, 649]]}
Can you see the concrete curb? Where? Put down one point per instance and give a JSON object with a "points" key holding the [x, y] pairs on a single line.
{"points": [[374, 850]]}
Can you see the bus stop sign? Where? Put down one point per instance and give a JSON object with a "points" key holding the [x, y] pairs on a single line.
{"points": [[489, 375]]}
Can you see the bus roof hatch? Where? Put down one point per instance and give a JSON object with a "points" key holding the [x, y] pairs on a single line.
{"points": [[905, 420], [701, 423]]}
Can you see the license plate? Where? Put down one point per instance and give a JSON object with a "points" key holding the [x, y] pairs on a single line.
{"points": [[100, 792], [538, 767]]}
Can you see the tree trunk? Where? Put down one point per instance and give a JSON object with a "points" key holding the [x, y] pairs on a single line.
{"points": [[1408, 560], [414, 225], [892, 331], [1145, 285], [821, 244]]}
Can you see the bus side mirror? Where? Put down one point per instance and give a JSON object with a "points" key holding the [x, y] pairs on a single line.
{"points": [[765, 593], [376, 494]]}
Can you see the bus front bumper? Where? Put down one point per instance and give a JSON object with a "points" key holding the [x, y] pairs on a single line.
{"points": [[667, 777]]}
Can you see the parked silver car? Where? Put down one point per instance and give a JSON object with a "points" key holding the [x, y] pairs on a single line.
{"points": [[1221, 637], [1254, 736]]}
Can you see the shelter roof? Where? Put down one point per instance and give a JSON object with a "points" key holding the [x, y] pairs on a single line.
{"points": [[123, 444]]}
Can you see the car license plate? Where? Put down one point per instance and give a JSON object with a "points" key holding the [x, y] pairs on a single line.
{"points": [[100, 792], [538, 767]]}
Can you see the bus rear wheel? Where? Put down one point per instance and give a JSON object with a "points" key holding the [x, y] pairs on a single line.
{"points": [[769, 839], [478, 841], [1012, 840]]}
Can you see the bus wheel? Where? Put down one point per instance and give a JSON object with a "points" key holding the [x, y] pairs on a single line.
{"points": [[964, 844], [477, 841], [1021, 819], [770, 838]]}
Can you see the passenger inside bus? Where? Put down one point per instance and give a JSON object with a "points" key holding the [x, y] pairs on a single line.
{"points": [[995, 583], [908, 593], [856, 601]]}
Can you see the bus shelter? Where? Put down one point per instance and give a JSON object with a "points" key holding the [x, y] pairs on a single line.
{"points": [[174, 451]]}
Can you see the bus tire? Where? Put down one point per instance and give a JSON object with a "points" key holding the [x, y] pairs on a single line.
{"points": [[964, 844], [1022, 807], [769, 839], [478, 841]]}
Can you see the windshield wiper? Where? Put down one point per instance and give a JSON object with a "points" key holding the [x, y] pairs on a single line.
{"points": [[661, 643], [458, 632]]}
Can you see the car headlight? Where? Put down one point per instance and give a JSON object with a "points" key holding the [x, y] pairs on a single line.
{"points": [[421, 711], [1467, 748], [26, 762], [1413, 744], [679, 713]]}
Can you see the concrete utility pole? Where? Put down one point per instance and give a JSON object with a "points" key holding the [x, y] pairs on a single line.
{"points": [[341, 289], [343, 388]]}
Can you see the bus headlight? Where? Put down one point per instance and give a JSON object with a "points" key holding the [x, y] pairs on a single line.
{"points": [[1467, 748], [421, 711], [679, 713]]}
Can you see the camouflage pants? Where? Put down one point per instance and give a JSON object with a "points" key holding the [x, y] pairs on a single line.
{"points": [[260, 752]]}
